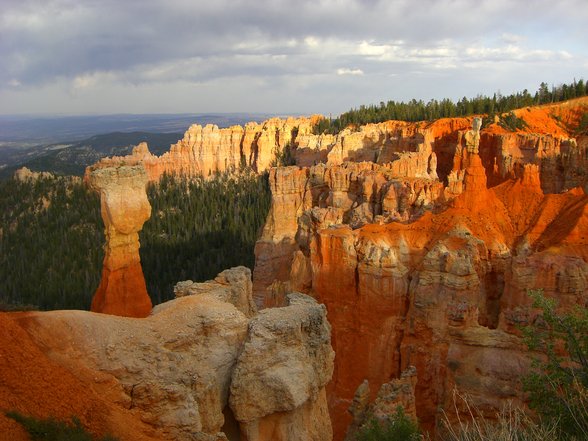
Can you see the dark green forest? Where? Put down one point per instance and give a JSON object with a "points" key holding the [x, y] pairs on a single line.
{"points": [[446, 108], [51, 236], [200, 227], [51, 243]]}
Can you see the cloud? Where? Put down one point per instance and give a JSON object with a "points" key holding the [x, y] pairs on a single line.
{"points": [[79, 45], [347, 71], [89, 80]]}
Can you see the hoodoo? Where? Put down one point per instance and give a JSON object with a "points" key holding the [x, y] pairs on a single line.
{"points": [[418, 272], [124, 208]]}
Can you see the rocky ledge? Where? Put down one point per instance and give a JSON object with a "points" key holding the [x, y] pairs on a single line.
{"points": [[204, 366]]}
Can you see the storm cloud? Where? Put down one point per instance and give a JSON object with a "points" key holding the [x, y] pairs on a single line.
{"points": [[63, 56]]}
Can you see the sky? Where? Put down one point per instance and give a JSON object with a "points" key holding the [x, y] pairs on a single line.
{"points": [[64, 57]]}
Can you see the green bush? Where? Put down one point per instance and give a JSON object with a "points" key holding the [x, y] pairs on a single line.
{"points": [[284, 157], [51, 429], [398, 427], [512, 122], [558, 385], [582, 125]]}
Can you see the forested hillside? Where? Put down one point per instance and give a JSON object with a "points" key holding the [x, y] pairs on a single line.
{"points": [[50, 243], [72, 158], [446, 108], [51, 236], [200, 227]]}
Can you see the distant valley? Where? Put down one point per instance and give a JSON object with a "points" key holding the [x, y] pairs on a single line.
{"points": [[67, 145], [71, 158]]}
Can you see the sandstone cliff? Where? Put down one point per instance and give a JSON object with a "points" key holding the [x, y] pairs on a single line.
{"points": [[423, 149], [124, 208], [206, 150], [431, 269], [25, 174], [191, 370], [421, 250]]}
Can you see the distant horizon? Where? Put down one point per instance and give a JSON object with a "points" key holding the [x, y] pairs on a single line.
{"points": [[498, 90], [82, 115], [61, 128]]}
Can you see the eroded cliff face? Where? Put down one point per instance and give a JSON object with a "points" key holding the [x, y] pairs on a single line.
{"points": [[423, 149], [421, 250], [432, 269], [550, 140], [124, 208], [203, 366], [206, 150]]}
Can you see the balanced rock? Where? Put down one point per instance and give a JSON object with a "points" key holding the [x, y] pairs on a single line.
{"points": [[124, 208]]}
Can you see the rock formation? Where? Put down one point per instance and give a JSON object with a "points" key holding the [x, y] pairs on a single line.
{"points": [[25, 174], [421, 239], [207, 150], [196, 368], [124, 208], [278, 388], [399, 392], [472, 137], [423, 149], [415, 272]]}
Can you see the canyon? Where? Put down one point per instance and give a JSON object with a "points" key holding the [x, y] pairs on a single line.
{"points": [[444, 293], [425, 261], [393, 268]]}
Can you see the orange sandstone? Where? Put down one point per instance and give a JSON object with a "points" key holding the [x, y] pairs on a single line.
{"points": [[416, 274], [35, 384], [124, 207]]}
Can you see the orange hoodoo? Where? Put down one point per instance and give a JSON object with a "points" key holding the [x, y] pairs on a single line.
{"points": [[125, 208]]}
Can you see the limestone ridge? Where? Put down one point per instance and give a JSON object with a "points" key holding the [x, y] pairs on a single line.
{"points": [[198, 368], [124, 208]]}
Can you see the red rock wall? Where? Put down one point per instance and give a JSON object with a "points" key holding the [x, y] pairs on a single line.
{"points": [[445, 293], [442, 283]]}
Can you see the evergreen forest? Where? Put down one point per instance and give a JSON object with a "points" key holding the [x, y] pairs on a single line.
{"points": [[414, 110], [50, 243], [51, 236], [200, 227]]}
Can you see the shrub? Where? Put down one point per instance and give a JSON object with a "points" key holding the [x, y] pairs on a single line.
{"points": [[582, 125], [558, 385], [510, 424], [397, 427], [284, 157], [512, 122], [51, 429]]}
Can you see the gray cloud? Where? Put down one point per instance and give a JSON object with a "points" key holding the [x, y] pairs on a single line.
{"points": [[340, 51]]}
